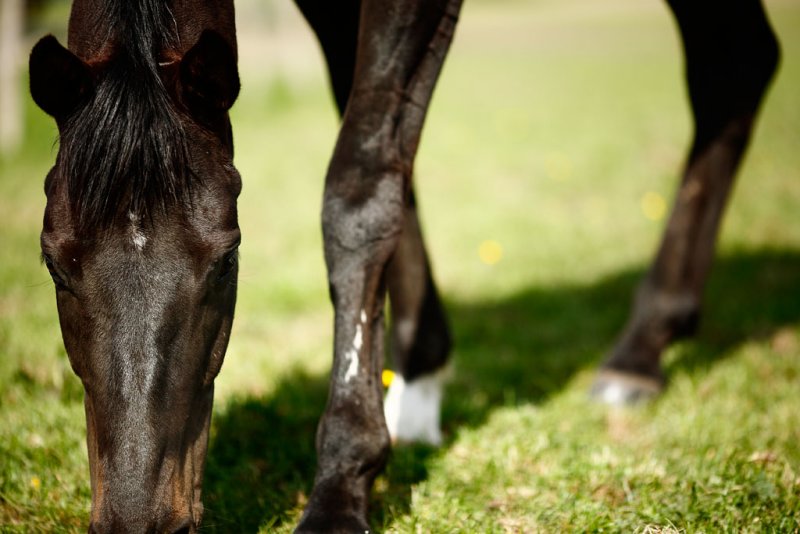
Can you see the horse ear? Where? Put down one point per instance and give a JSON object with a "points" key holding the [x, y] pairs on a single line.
{"points": [[209, 79], [59, 79]]}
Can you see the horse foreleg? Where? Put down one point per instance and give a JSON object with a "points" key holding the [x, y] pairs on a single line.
{"points": [[401, 48], [420, 337], [731, 55]]}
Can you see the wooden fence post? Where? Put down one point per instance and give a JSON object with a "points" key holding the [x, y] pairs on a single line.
{"points": [[11, 112]]}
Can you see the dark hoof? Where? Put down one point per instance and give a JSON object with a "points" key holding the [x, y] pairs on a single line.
{"points": [[618, 388], [335, 517], [331, 525]]}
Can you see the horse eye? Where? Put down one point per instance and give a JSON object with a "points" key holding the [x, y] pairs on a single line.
{"points": [[51, 268], [228, 263]]}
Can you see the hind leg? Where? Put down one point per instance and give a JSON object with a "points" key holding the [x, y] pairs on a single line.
{"points": [[731, 55], [420, 339]]}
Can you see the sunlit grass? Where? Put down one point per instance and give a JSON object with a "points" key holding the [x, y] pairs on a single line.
{"points": [[552, 124]]}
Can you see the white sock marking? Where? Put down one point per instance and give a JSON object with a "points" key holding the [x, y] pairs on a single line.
{"points": [[613, 394], [413, 409]]}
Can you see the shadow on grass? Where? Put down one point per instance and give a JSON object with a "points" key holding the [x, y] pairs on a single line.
{"points": [[261, 459], [517, 350]]}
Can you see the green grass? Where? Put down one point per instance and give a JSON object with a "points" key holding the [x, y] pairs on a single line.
{"points": [[551, 122]]}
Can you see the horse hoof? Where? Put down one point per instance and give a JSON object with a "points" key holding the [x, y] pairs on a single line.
{"points": [[331, 524], [617, 388]]}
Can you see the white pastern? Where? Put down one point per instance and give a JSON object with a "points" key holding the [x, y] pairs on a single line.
{"points": [[613, 394], [413, 409]]}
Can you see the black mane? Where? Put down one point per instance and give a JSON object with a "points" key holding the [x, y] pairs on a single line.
{"points": [[125, 148]]}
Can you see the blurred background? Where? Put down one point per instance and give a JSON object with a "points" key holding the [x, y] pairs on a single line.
{"points": [[550, 156]]}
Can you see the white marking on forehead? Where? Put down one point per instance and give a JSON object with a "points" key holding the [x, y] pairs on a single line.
{"points": [[139, 240], [352, 356], [363, 316], [137, 237]]}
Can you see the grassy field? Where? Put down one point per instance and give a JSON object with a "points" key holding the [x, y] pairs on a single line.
{"points": [[556, 131]]}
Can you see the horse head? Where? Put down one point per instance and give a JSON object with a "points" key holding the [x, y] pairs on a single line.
{"points": [[140, 236]]}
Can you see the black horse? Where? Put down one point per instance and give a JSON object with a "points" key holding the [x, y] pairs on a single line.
{"points": [[140, 233]]}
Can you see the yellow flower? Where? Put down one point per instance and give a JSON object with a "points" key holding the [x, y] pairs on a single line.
{"points": [[387, 376], [654, 206], [490, 252], [36, 483]]}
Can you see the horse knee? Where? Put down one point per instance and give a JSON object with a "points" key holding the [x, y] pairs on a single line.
{"points": [[361, 223]]}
